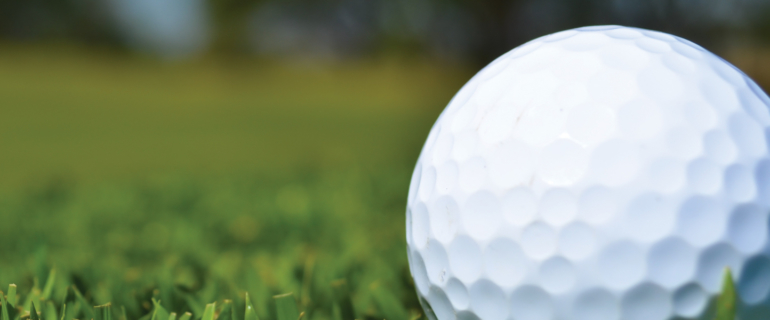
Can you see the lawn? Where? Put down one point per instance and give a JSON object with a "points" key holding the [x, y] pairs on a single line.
{"points": [[162, 187], [194, 182]]}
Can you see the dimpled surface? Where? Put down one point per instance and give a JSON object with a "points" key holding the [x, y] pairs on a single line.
{"points": [[599, 173]]}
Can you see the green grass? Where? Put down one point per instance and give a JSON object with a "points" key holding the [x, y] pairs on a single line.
{"points": [[337, 243], [146, 184], [73, 305], [727, 302], [97, 116], [213, 189]]}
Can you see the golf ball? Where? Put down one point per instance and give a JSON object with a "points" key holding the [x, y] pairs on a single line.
{"points": [[599, 173]]}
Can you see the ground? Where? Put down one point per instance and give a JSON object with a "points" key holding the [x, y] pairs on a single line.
{"points": [[207, 178]]}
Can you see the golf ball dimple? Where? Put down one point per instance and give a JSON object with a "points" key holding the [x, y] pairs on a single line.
{"points": [[600, 173]]}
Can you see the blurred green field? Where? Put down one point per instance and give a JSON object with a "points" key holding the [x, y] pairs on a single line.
{"points": [[96, 116], [194, 181]]}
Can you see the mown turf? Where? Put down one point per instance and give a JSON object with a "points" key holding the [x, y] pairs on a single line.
{"points": [[40, 304], [191, 183], [162, 191], [211, 240]]}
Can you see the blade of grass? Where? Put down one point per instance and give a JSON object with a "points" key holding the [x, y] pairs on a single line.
{"points": [[208, 314], [34, 294], [72, 311], [48, 288], [5, 306], [88, 311], [9, 311], [158, 312], [172, 316], [250, 313], [726, 302], [226, 313], [33, 313], [12, 294], [49, 313], [63, 311], [286, 307], [103, 312], [186, 316]]}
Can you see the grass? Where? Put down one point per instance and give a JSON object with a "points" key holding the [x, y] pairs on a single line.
{"points": [[237, 190], [186, 244], [727, 302], [39, 304], [150, 186], [105, 117]]}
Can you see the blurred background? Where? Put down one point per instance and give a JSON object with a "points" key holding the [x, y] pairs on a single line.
{"points": [[204, 148]]}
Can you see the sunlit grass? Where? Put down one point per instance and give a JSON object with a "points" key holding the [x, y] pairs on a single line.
{"points": [[166, 192], [73, 305], [149, 184]]}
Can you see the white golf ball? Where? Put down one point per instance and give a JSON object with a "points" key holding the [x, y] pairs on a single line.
{"points": [[599, 173]]}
